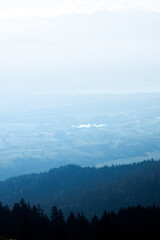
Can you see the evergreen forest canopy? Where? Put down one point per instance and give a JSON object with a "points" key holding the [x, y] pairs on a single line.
{"points": [[90, 190], [24, 222]]}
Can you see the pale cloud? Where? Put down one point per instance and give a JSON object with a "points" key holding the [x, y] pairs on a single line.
{"points": [[89, 126], [52, 8]]}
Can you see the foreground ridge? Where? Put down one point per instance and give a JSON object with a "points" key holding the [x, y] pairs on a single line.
{"points": [[24, 222]]}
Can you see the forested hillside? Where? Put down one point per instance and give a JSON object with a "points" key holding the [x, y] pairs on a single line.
{"points": [[91, 190], [26, 222]]}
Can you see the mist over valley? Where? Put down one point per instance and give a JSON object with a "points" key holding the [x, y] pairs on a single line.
{"points": [[39, 132]]}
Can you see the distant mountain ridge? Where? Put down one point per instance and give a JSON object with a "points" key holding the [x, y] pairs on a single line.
{"points": [[91, 190]]}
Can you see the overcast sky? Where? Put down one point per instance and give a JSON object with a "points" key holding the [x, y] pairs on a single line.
{"points": [[79, 45], [52, 8]]}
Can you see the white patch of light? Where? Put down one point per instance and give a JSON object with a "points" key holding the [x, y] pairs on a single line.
{"points": [[89, 125]]}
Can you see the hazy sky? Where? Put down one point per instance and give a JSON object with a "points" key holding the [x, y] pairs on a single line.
{"points": [[79, 45], [52, 8]]}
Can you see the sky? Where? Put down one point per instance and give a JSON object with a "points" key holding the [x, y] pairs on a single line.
{"points": [[51, 8], [75, 46]]}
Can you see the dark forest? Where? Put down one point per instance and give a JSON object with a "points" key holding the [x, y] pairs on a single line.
{"points": [[90, 190], [24, 222]]}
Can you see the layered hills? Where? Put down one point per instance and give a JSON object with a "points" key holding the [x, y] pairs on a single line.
{"points": [[90, 190]]}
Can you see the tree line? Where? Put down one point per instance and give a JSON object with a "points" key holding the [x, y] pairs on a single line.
{"points": [[26, 222], [89, 189]]}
